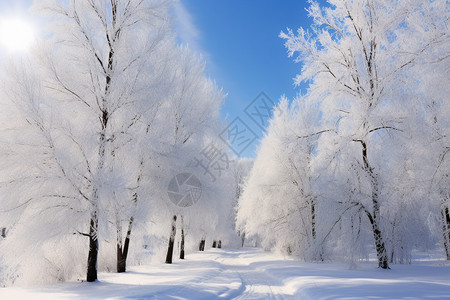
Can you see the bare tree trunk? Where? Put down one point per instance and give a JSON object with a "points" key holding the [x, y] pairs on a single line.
{"points": [[171, 241], [379, 244], [373, 217], [122, 253], [93, 249], [446, 229], [182, 240], [242, 239], [319, 255], [313, 218], [201, 246]]}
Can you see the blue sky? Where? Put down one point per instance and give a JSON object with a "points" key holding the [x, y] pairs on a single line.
{"points": [[239, 41]]}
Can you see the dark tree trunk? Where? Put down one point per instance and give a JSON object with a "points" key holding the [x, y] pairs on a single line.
{"points": [[319, 254], [379, 242], [373, 217], [313, 218], [219, 244], [201, 246], [121, 261], [93, 249], [446, 229], [122, 253], [214, 245], [171, 241], [380, 247], [242, 239], [182, 240]]}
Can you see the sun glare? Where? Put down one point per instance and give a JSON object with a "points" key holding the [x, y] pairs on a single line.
{"points": [[16, 34]]}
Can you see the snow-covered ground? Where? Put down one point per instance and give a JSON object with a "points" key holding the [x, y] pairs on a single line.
{"points": [[254, 274]]}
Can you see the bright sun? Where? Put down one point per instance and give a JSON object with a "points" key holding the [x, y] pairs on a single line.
{"points": [[16, 34]]}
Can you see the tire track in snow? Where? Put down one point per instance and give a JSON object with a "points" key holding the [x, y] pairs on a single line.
{"points": [[255, 282]]}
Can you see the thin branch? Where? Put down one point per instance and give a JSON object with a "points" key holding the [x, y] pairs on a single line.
{"points": [[316, 133], [384, 127], [19, 206]]}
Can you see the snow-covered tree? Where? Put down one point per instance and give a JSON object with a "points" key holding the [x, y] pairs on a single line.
{"points": [[278, 203], [355, 164], [240, 171], [356, 56], [431, 135], [115, 109], [90, 91]]}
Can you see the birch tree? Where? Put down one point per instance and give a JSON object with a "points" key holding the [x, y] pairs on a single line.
{"points": [[278, 203], [355, 55], [90, 96]]}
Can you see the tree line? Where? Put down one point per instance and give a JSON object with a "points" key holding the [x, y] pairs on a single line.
{"points": [[96, 120], [359, 163]]}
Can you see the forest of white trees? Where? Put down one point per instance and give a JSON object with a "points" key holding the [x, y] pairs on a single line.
{"points": [[358, 164], [95, 123], [109, 108]]}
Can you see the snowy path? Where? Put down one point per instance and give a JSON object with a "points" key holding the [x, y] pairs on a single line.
{"points": [[253, 274]]}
